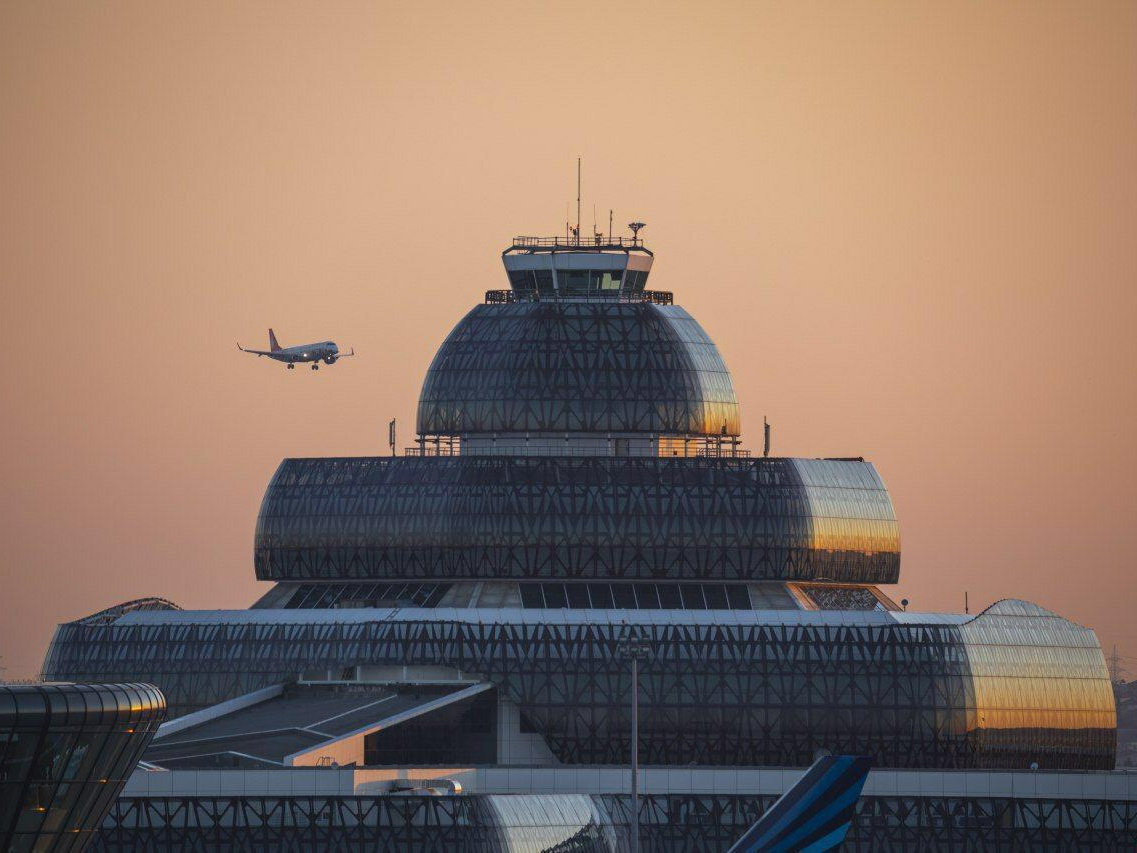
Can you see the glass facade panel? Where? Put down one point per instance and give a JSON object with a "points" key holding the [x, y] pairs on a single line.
{"points": [[642, 518], [600, 594], [647, 597], [555, 595], [315, 596], [1041, 684], [578, 595], [531, 595], [624, 596], [578, 367], [910, 693], [60, 771]]}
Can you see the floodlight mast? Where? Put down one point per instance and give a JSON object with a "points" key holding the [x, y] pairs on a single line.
{"points": [[634, 646]]}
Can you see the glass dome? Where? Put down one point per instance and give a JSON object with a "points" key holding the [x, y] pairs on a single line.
{"points": [[578, 366]]}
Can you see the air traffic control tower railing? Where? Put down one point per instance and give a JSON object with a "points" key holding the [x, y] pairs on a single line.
{"points": [[598, 243], [508, 297]]}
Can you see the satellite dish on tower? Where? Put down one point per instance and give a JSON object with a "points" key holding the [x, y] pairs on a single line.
{"points": [[636, 226]]}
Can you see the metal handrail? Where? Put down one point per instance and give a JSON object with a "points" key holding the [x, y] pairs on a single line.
{"points": [[508, 297], [601, 242], [725, 451]]}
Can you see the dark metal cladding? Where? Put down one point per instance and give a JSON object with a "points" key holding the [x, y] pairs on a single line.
{"points": [[66, 750], [1013, 686], [518, 517], [578, 367]]}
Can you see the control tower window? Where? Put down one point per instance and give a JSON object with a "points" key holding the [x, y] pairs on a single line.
{"points": [[577, 282], [522, 280], [635, 280], [526, 281], [573, 281], [607, 280]]}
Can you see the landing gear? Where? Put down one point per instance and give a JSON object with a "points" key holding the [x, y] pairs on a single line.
{"points": [[291, 366], [315, 366]]}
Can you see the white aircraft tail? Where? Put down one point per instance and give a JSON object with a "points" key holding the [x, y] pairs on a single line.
{"points": [[272, 344]]}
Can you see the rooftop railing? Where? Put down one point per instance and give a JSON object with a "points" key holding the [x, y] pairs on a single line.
{"points": [[597, 242], [507, 297], [700, 447]]}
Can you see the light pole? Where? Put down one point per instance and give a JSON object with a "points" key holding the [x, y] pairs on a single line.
{"points": [[634, 646]]}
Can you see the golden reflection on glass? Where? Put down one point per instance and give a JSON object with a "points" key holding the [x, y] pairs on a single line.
{"points": [[1041, 687], [848, 506]]}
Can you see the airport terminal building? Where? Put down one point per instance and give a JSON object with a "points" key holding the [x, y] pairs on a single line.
{"points": [[442, 655]]}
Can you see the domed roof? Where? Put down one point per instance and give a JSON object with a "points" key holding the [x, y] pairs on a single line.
{"points": [[576, 366]]}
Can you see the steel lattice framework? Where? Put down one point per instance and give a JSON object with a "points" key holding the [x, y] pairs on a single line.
{"points": [[909, 694], [671, 822], [579, 367], [584, 517]]}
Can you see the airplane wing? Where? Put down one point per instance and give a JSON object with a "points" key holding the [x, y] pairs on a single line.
{"points": [[346, 354], [253, 351]]}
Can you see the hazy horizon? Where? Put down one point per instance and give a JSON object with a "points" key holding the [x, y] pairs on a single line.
{"points": [[909, 229]]}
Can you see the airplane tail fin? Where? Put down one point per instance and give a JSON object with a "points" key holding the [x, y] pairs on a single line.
{"points": [[272, 344], [815, 813]]}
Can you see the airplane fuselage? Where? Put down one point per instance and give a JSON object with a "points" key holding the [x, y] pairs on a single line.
{"points": [[326, 351]]}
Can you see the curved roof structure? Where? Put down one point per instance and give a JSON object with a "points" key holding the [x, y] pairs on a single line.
{"points": [[1012, 686], [66, 751], [583, 518], [578, 366], [85, 705], [112, 613]]}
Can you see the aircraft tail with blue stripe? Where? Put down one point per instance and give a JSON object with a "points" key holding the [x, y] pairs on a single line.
{"points": [[814, 814]]}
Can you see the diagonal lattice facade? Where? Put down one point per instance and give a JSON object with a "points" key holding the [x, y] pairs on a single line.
{"points": [[578, 366], [669, 823], [531, 518], [747, 692]]}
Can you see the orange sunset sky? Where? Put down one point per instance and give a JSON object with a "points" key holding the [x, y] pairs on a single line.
{"points": [[910, 227]]}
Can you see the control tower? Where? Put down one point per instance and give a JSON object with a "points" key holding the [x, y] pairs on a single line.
{"points": [[578, 357]]}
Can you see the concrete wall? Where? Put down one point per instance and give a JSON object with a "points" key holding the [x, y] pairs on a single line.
{"points": [[515, 746]]}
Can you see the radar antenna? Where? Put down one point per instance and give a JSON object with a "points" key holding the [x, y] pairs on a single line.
{"points": [[636, 226]]}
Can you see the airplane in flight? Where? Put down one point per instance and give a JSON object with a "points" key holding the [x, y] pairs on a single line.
{"points": [[325, 351]]}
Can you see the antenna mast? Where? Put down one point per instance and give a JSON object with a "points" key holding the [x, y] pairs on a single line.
{"points": [[578, 200], [609, 227]]}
